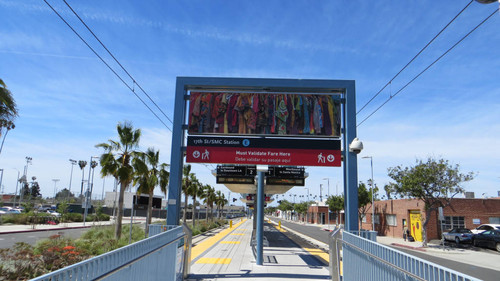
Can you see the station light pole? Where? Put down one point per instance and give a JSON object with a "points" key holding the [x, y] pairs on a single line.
{"points": [[328, 179], [73, 163], [55, 186], [17, 185], [25, 178], [373, 207], [90, 186]]}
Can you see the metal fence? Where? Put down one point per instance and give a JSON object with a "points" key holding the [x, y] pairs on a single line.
{"points": [[158, 228], [161, 255], [363, 259]]}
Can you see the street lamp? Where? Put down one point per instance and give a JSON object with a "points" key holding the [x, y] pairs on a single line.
{"points": [[25, 178], [373, 207], [55, 184], [73, 163], [328, 179], [17, 184], [90, 184], [321, 192], [1, 179]]}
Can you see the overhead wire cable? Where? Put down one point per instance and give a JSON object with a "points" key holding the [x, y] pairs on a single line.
{"points": [[110, 68], [425, 47], [418, 75], [116, 60]]}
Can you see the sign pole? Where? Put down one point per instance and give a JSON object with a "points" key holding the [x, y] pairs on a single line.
{"points": [[260, 217]]}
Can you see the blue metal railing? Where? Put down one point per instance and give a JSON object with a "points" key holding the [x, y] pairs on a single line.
{"points": [[158, 228], [162, 255], [363, 259], [367, 234]]}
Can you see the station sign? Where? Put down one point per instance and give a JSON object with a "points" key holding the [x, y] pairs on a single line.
{"points": [[236, 174], [236, 171], [285, 172], [263, 151]]}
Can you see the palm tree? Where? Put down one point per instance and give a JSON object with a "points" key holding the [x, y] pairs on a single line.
{"points": [[8, 111], [116, 161], [223, 203], [209, 198], [8, 108], [147, 177], [186, 188], [196, 191], [220, 201]]}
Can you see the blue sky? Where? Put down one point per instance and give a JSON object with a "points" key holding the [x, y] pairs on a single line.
{"points": [[69, 100]]}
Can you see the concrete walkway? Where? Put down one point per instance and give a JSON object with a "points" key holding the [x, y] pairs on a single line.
{"points": [[230, 256]]}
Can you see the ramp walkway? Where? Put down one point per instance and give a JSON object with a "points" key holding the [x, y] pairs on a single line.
{"points": [[229, 255]]}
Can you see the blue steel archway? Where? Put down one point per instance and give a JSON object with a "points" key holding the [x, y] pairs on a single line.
{"points": [[346, 87]]}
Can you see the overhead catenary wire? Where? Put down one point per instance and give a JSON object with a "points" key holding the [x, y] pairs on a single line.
{"points": [[110, 68], [429, 66], [421, 50], [116, 60]]}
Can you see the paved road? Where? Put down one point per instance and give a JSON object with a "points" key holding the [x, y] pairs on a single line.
{"points": [[474, 271], [8, 240]]}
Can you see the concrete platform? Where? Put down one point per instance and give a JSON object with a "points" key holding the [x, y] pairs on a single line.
{"points": [[230, 256]]}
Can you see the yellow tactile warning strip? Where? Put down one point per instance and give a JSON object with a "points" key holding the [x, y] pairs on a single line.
{"points": [[205, 245], [214, 260], [237, 234], [230, 242]]}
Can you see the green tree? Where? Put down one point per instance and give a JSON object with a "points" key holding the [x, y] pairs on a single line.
{"points": [[220, 202], [365, 198], [148, 175], [188, 186], [64, 193], [335, 204], [196, 192], [35, 190], [209, 198], [62, 208], [116, 162], [25, 189], [285, 205], [271, 210], [302, 207], [434, 181]]}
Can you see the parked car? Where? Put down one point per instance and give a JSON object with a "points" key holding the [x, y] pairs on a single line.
{"points": [[459, 235], [484, 227], [14, 211], [53, 213], [488, 239]]}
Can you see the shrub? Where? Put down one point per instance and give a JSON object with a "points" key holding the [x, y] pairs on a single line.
{"points": [[74, 217], [104, 217], [99, 240], [23, 262]]}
